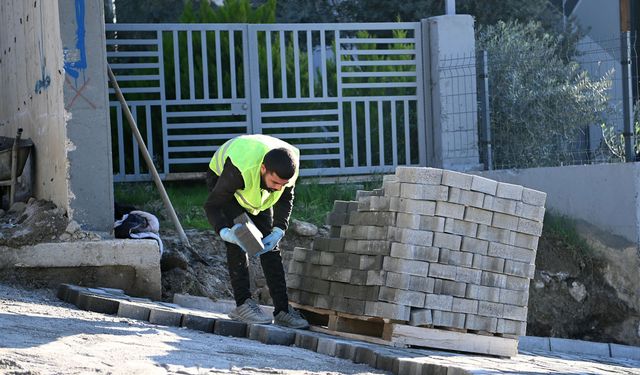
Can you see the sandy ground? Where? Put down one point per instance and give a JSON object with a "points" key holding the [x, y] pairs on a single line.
{"points": [[41, 335]]}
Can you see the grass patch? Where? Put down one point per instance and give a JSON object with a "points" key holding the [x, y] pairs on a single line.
{"points": [[312, 200]]}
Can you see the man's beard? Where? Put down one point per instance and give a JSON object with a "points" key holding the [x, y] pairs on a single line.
{"points": [[263, 186]]}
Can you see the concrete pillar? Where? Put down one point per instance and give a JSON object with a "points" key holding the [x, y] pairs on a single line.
{"points": [[87, 104], [450, 97], [31, 80]]}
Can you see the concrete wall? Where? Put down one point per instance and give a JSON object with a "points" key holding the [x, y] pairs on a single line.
{"points": [[86, 100], [450, 92], [31, 80], [605, 195]]}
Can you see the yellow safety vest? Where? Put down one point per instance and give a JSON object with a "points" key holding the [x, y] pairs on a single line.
{"points": [[247, 153]]}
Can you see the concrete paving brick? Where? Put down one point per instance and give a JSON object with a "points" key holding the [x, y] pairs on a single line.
{"points": [[397, 280], [366, 247], [358, 277], [503, 205], [299, 254], [493, 234], [442, 271], [460, 258], [322, 301], [313, 285], [61, 292], [527, 211], [493, 279], [514, 297], [411, 236], [377, 218], [387, 310], [386, 362], [464, 305], [457, 179], [424, 192], [340, 206], [484, 185], [412, 206], [454, 195], [579, 346], [419, 175], [334, 231], [450, 288], [474, 245], [379, 203], [335, 274], [325, 258], [306, 340], [421, 317], [369, 232], [365, 355], [334, 218], [468, 275], [526, 241], [438, 302], [511, 252], [100, 304], [509, 191], [401, 297], [411, 267], [533, 343], [452, 210], [346, 231], [410, 221], [624, 351], [348, 305], [483, 293], [327, 346], [460, 227], [197, 322], [165, 317], [346, 350], [484, 262], [414, 252], [491, 309], [271, 335], [358, 261], [515, 268], [505, 221], [73, 293], [232, 328], [477, 215], [446, 240], [531, 227], [376, 277], [391, 188], [481, 323], [354, 291], [132, 310], [517, 283], [471, 198], [353, 206], [421, 222], [518, 313], [448, 319], [533, 197]]}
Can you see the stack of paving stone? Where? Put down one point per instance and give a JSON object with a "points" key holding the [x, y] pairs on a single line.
{"points": [[432, 248]]}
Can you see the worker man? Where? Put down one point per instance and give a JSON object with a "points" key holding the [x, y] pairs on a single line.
{"points": [[255, 174]]}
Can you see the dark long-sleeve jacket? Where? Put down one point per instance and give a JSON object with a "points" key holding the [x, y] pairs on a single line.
{"points": [[221, 193]]}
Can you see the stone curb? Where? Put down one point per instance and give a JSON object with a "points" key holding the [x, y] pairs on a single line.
{"points": [[394, 360]]}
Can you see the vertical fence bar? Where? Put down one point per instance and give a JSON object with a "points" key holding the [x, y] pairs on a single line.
{"points": [[232, 63], [323, 62], [205, 64], [310, 64], [296, 62], [283, 65], [380, 133], [354, 133], [394, 133], [270, 93], [627, 97], [483, 111], [191, 71], [219, 64], [176, 63]]}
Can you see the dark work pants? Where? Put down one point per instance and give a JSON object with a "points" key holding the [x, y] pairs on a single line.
{"points": [[237, 259]]}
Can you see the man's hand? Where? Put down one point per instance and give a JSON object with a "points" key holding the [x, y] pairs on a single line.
{"points": [[229, 235], [271, 241]]}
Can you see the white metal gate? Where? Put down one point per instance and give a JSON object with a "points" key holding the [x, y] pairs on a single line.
{"points": [[348, 95]]}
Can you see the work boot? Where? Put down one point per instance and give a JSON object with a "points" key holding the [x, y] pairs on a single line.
{"points": [[291, 319], [250, 312]]}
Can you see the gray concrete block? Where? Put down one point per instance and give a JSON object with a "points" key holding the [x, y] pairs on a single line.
{"points": [[511, 327], [346, 350], [533, 343], [579, 346], [468, 275], [484, 185], [133, 311], [387, 310], [366, 247], [248, 234], [165, 317], [460, 258], [419, 175], [515, 268], [625, 351], [348, 305], [446, 240], [514, 297], [533, 197], [306, 340], [517, 283], [505, 206], [376, 277], [391, 188], [471, 198], [411, 267], [452, 210], [412, 206], [481, 323], [478, 215], [450, 288], [354, 291], [424, 192], [448, 319], [401, 297], [438, 302], [386, 362], [327, 346], [340, 206], [271, 335], [456, 179], [518, 313], [62, 290], [474, 245], [442, 271], [232, 328], [460, 227], [483, 293], [335, 274], [491, 309], [492, 279], [414, 252], [526, 241], [464, 305], [198, 322], [365, 355], [511, 252], [527, 211], [99, 304], [334, 218], [377, 218], [494, 234], [421, 317], [509, 191], [531, 227], [505, 221]]}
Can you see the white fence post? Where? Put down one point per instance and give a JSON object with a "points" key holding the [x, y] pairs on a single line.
{"points": [[450, 92]]}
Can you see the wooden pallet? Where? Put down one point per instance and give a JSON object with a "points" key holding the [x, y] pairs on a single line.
{"points": [[393, 333]]}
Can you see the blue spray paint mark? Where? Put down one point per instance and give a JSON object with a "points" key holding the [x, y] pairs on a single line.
{"points": [[74, 64], [45, 81]]}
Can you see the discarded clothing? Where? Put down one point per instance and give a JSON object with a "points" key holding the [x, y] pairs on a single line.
{"points": [[138, 224]]}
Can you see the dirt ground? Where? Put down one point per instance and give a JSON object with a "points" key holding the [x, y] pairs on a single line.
{"points": [[42, 335]]}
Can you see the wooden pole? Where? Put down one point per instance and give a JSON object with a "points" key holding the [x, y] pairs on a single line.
{"points": [[147, 158]]}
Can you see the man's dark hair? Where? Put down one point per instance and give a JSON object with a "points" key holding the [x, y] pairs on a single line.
{"points": [[281, 161]]}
